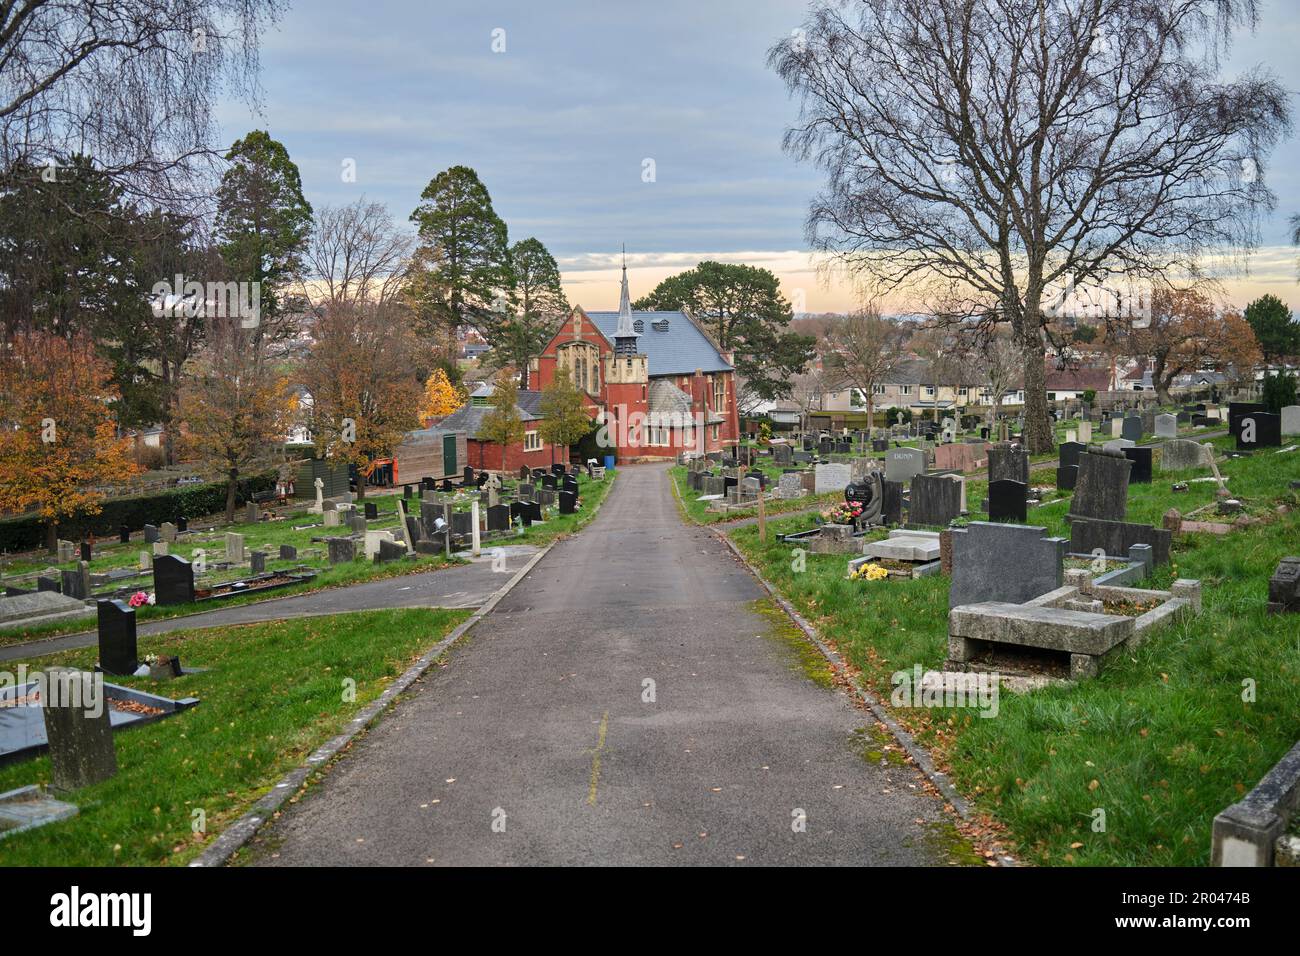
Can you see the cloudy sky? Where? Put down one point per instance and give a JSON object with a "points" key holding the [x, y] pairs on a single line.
{"points": [[561, 122]]}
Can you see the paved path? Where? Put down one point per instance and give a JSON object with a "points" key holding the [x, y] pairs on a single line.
{"points": [[461, 586], [540, 716]]}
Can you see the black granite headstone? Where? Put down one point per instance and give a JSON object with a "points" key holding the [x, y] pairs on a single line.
{"points": [[173, 580], [117, 644], [257, 561], [1141, 458], [1007, 500], [182, 524], [568, 502], [1067, 477], [124, 535], [1102, 489], [498, 518], [891, 506], [1259, 430], [372, 511], [936, 500], [1069, 452], [86, 551], [288, 552]]}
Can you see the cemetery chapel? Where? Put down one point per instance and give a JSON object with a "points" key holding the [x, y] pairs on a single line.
{"points": [[658, 380]]}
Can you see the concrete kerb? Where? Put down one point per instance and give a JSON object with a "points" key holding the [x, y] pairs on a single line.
{"points": [[914, 750], [234, 837]]}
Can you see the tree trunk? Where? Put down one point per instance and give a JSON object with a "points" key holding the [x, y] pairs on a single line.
{"points": [[52, 536], [232, 485], [1038, 436], [1159, 380]]}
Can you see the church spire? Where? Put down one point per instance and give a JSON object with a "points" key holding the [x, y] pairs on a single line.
{"points": [[626, 335]]}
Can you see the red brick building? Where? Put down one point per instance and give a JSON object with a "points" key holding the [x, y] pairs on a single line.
{"points": [[484, 455], [656, 381]]}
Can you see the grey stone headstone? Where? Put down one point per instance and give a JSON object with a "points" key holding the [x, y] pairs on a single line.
{"points": [[790, 485], [1102, 487], [1008, 463], [288, 552], [342, 550], [257, 561], [168, 531], [1166, 426], [1132, 428], [1004, 562], [1180, 454], [1290, 420], [902, 464], [80, 737], [151, 534], [829, 477], [234, 547], [936, 500]]}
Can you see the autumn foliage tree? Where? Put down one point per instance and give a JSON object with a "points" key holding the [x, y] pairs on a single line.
{"points": [[503, 425], [57, 437], [862, 349], [1186, 333], [365, 395], [564, 414], [441, 398], [235, 409]]}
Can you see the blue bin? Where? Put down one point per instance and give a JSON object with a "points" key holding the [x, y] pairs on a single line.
{"points": [[609, 462]]}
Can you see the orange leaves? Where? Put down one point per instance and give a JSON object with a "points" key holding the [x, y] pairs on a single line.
{"points": [[57, 437], [441, 398]]}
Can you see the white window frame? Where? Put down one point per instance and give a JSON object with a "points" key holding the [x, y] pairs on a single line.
{"points": [[532, 441]]}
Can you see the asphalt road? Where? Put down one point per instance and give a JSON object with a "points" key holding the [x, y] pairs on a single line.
{"points": [[462, 586], [534, 743]]}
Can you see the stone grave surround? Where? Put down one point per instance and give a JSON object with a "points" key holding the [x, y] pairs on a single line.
{"points": [[1114, 538], [904, 545], [1284, 587], [1004, 562]]}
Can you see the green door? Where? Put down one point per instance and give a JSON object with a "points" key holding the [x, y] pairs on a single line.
{"points": [[449, 464]]}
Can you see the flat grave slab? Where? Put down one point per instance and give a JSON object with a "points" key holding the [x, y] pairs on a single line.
{"points": [[905, 545], [39, 606]]}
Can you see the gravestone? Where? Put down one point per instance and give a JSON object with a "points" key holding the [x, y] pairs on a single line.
{"points": [[250, 513], [182, 525], [76, 583], [1116, 427], [173, 580], [87, 553], [1166, 426], [1141, 458], [1290, 420], [1004, 562], [1284, 587], [124, 535], [524, 473], [1008, 463], [1007, 500], [146, 560], [869, 494], [389, 550], [903, 464], [782, 454], [117, 642], [1259, 430], [498, 518], [829, 477], [1067, 477], [1069, 453], [257, 562], [462, 523], [549, 482], [235, 547], [1085, 432], [1132, 428], [372, 511], [288, 552], [526, 491], [1181, 454], [151, 534], [356, 522], [568, 502], [936, 500], [161, 547], [80, 737], [1102, 488], [372, 541], [1116, 537], [44, 583], [790, 486], [891, 508], [341, 550], [168, 531]]}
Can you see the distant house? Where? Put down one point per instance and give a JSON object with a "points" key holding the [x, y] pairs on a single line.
{"points": [[485, 455], [1066, 385], [912, 386]]}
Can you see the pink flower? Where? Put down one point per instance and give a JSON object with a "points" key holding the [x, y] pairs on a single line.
{"points": [[138, 599]]}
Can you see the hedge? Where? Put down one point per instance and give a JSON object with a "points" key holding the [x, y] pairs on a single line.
{"points": [[192, 501]]}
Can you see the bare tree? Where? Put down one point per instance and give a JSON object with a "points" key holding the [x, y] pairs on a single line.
{"points": [[357, 255], [998, 359], [130, 83], [862, 350], [989, 152]]}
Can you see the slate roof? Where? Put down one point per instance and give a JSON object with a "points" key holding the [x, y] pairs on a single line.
{"points": [[469, 417], [665, 398], [679, 350]]}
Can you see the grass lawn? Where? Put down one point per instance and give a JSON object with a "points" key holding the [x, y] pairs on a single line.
{"points": [[1160, 742], [269, 535], [274, 692]]}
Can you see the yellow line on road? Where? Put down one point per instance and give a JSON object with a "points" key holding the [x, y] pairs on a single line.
{"points": [[595, 759]]}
